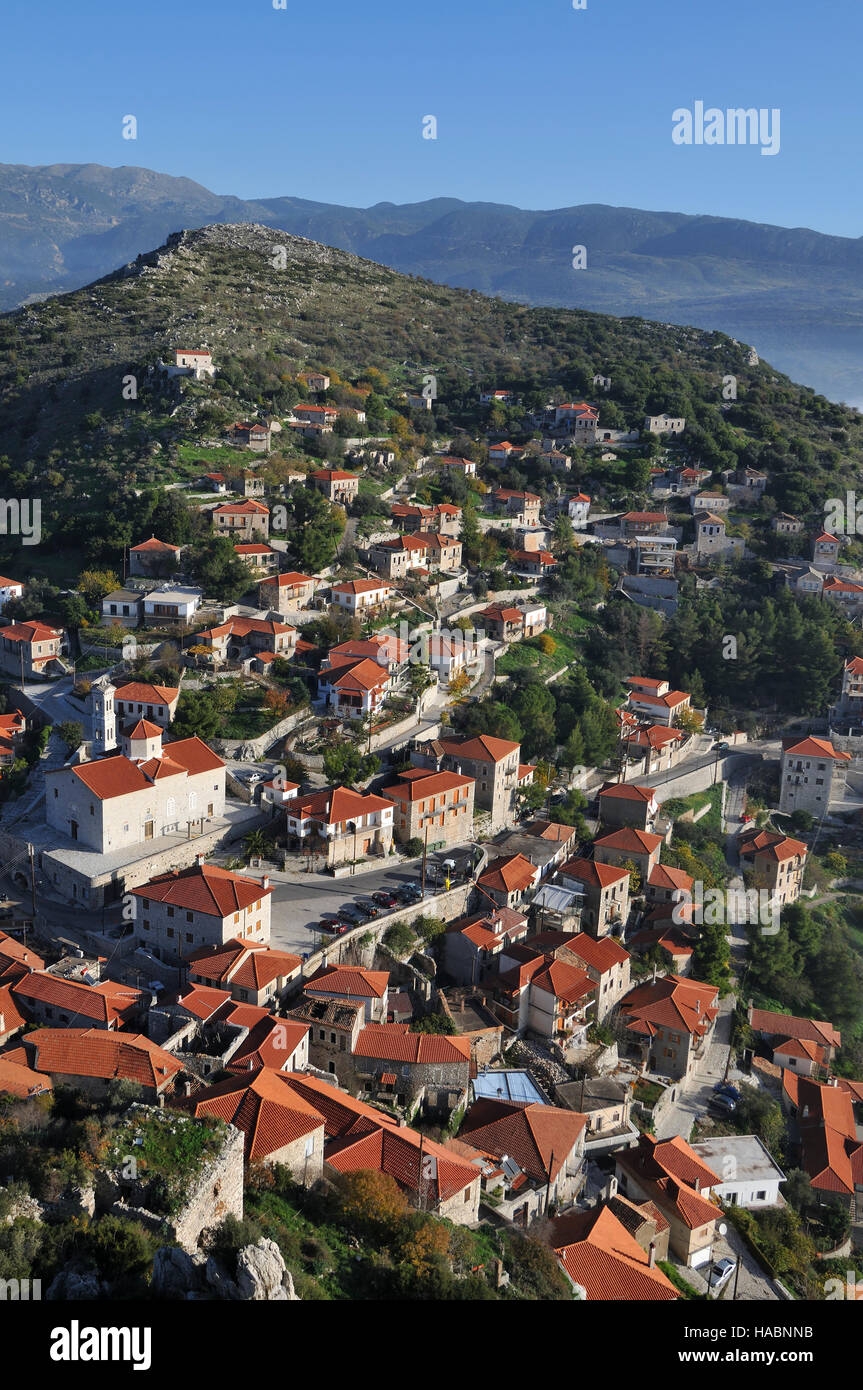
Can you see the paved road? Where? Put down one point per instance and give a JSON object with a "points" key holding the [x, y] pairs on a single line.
{"points": [[299, 900], [691, 1103], [753, 1283]]}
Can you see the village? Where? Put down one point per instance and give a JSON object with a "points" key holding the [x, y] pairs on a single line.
{"points": [[262, 835]]}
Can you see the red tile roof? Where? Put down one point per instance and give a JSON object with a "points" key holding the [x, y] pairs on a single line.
{"points": [[592, 872], [109, 1056], [350, 981], [270, 1113], [539, 1137], [606, 1261], [394, 1042], [672, 1002], [482, 747], [240, 962], [510, 874], [402, 1154], [205, 888], [108, 1002]]}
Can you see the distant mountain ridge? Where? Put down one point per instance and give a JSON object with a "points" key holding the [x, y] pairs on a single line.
{"points": [[796, 294]]}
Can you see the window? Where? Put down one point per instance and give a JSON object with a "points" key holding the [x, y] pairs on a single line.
{"points": [[190, 916], [170, 912]]}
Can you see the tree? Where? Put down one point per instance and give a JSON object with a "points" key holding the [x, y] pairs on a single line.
{"points": [[218, 569], [372, 1203], [346, 764], [72, 733], [95, 584]]}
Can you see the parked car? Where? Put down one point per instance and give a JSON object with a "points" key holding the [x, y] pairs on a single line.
{"points": [[725, 1088], [721, 1105], [387, 900], [369, 908], [722, 746], [355, 915], [410, 893], [719, 1274]]}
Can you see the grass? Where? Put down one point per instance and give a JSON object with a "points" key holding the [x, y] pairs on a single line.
{"points": [[169, 1148], [527, 655], [673, 1275], [250, 718], [678, 806]]}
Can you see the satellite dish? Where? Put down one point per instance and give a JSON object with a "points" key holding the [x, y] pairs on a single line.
{"points": [[722, 1228]]}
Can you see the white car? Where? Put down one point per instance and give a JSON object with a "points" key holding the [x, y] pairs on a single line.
{"points": [[719, 1274]]}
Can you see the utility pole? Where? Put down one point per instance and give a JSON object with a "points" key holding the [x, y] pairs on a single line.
{"points": [[32, 890], [425, 853]]}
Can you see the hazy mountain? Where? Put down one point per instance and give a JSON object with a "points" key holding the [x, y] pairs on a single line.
{"points": [[797, 295]]}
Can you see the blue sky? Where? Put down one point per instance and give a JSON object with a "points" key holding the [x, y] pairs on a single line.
{"points": [[537, 104]]}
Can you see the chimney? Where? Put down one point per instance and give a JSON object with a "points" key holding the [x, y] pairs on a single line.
{"points": [[265, 882], [651, 1255], [200, 860], [698, 1006]]}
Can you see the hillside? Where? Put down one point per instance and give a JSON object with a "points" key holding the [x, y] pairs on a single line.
{"points": [[796, 294], [72, 438]]}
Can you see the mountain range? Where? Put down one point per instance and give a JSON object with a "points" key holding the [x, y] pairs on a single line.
{"points": [[795, 294]]}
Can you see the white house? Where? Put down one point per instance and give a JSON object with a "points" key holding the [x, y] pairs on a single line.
{"points": [[9, 588], [361, 595], [748, 1176], [171, 605], [664, 424], [578, 508], [197, 363]]}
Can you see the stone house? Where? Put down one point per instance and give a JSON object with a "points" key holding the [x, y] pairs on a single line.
{"points": [[629, 846], [352, 985], [283, 592], [199, 908], [605, 888], [334, 1027], [539, 1147], [626, 803], [669, 1174], [777, 861], [277, 1124], [507, 880], [92, 1060], [670, 1023], [474, 944], [436, 807], [117, 802], [248, 520], [154, 559], [664, 424], [340, 824], [493, 763], [808, 769], [258, 556], [336, 485], [410, 1069], [253, 972], [31, 650], [52, 1000], [522, 508], [244, 639]]}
